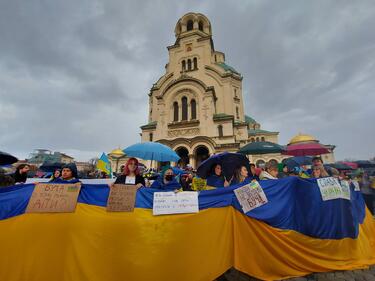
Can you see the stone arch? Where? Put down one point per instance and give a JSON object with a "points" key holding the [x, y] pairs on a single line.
{"points": [[175, 111], [260, 163], [201, 153], [189, 25], [273, 161], [183, 152], [184, 108]]}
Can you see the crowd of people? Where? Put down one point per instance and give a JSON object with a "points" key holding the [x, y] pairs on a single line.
{"points": [[176, 178]]}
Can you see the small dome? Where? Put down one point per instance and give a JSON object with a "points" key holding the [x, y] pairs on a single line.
{"points": [[302, 138], [192, 22], [117, 152]]}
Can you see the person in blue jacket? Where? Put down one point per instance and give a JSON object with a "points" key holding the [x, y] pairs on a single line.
{"points": [[241, 175], [166, 181], [216, 178], [69, 174]]}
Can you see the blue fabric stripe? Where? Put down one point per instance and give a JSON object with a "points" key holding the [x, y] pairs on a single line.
{"points": [[294, 204]]}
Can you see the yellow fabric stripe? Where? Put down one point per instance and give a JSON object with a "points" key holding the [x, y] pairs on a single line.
{"points": [[269, 253], [94, 245]]}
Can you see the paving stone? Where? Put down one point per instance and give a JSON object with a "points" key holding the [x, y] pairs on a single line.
{"points": [[368, 276]]}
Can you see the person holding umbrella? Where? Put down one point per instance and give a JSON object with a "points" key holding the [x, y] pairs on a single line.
{"points": [[166, 181], [216, 178]]}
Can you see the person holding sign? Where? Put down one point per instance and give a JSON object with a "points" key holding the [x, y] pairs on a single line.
{"points": [[217, 179], [166, 180], [131, 174], [69, 174], [318, 172]]}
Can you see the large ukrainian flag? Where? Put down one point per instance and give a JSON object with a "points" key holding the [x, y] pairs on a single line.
{"points": [[294, 234]]}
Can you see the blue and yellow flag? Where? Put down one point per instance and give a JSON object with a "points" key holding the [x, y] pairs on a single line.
{"points": [[104, 164]]}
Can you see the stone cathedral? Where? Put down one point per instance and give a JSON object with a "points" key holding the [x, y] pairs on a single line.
{"points": [[196, 107]]}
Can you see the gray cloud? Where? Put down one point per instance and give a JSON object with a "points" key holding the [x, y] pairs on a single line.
{"points": [[75, 76]]}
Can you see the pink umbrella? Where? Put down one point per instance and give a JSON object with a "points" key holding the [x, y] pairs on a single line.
{"points": [[306, 149], [351, 164]]}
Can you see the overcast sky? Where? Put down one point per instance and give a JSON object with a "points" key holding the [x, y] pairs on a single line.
{"points": [[75, 75]]}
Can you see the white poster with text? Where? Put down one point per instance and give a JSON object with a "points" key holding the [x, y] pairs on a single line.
{"points": [[175, 203]]}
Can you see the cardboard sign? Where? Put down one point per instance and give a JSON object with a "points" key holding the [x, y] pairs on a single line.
{"points": [[199, 184], [251, 196], [54, 198], [175, 203], [345, 186], [330, 188], [356, 185], [121, 198]]}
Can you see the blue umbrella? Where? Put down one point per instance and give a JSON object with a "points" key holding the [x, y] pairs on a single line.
{"points": [[228, 161], [297, 161], [152, 151]]}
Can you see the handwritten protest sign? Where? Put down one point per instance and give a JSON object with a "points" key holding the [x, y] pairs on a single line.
{"points": [[199, 184], [345, 186], [121, 198], [251, 196], [175, 203], [356, 185], [53, 198], [330, 188]]}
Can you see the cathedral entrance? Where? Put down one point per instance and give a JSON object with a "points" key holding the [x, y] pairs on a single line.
{"points": [[201, 154], [184, 154]]}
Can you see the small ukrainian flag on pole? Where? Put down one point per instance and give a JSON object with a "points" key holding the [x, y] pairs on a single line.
{"points": [[104, 165]]}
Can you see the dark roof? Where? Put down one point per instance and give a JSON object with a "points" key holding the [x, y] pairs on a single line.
{"points": [[151, 125], [250, 120], [227, 67], [222, 116], [253, 132]]}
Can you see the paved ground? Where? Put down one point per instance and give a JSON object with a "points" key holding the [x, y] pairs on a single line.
{"points": [[355, 275]]}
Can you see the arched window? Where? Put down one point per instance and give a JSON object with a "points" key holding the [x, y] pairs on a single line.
{"points": [[193, 106], [184, 108], [257, 139], [189, 64], [237, 113], [200, 25], [183, 65], [175, 111], [195, 63], [151, 135], [263, 139], [252, 140], [189, 25], [220, 129]]}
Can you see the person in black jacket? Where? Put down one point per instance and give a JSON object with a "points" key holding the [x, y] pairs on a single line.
{"points": [[20, 176], [131, 174]]}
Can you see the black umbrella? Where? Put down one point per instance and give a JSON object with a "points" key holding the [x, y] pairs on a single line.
{"points": [[261, 147], [50, 167], [228, 161], [7, 159]]}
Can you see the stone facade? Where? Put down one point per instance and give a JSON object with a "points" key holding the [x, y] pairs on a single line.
{"points": [[197, 106]]}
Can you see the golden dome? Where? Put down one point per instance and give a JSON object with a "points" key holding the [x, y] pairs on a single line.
{"points": [[302, 138], [117, 152]]}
